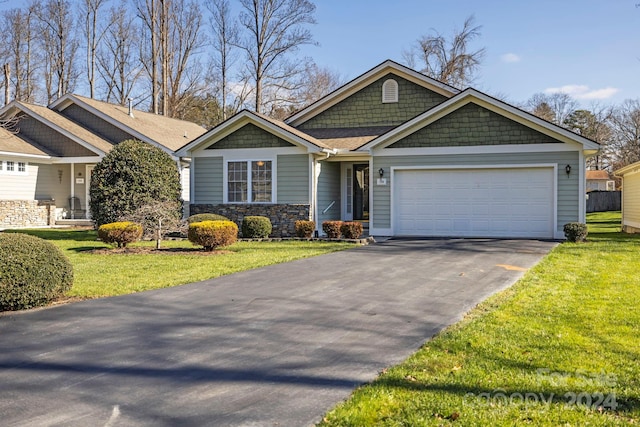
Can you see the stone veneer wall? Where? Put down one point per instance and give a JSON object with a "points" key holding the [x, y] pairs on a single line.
{"points": [[283, 216], [27, 213]]}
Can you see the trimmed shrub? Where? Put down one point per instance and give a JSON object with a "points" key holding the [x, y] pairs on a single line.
{"points": [[351, 229], [332, 228], [213, 234], [131, 175], [256, 227], [206, 217], [121, 233], [33, 272], [575, 231], [305, 228]]}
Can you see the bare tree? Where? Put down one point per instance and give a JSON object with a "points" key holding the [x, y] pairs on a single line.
{"points": [[148, 12], [224, 37], [19, 28], [157, 219], [116, 56], [59, 45], [625, 124], [316, 83], [449, 61], [273, 30], [555, 107], [90, 12]]}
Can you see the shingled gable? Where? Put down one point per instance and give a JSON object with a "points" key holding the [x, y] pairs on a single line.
{"points": [[59, 124], [246, 117], [472, 96], [164, 132], [362, 82]]}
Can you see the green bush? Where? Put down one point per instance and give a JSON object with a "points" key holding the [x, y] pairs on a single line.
{"points": [[121, 233], [133, 174], [351, 229], [575, 231], [206, 217], [213, 234], [256, 227], [33, 272], [305, 228], [332, 228]]}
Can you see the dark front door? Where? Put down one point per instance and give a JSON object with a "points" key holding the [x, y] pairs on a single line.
{"points": [[361, 192]]}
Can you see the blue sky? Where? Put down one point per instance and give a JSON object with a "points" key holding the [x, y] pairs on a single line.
{"points": [[588, 48]]}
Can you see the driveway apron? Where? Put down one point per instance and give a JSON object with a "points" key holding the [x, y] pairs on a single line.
{"points": [[274, 346]]}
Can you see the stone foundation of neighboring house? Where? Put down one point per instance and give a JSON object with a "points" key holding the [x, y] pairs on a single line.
{"points": [[629, 229], [283, 217], [27, 213]]}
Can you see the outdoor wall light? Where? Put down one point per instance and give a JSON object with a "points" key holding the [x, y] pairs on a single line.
{"points": [[567, 169], [381, 172]]}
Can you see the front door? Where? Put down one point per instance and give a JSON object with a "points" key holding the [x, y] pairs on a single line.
{"points": [[361, 192]]}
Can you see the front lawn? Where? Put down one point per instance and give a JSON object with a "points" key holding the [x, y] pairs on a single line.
{"points": [[99, 275], [561, 347]]}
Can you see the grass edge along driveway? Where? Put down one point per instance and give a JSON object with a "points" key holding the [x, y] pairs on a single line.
{"points": [[560, 347], [103, 275]]}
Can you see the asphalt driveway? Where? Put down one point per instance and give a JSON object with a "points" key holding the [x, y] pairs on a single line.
{"points": [[275, 346]]}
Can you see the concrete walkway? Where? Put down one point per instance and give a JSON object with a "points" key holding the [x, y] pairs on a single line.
{"points": [[275, 346]]}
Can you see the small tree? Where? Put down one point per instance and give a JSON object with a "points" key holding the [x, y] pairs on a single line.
{"points": [[133, 174], [157, 219]]}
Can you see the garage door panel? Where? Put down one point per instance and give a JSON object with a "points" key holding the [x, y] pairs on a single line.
{"points": [[514, 202]]}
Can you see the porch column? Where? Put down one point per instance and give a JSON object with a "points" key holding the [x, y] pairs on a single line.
{"points": [[73, 192]]}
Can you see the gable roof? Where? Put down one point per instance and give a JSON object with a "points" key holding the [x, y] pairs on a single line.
{"points": [[364, 80], [489, 102], [273, 126], [60, 124], [11, 143], [599, 174], [148, 127]]}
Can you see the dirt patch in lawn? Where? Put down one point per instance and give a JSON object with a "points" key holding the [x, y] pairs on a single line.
{"points": [[154, 251]]}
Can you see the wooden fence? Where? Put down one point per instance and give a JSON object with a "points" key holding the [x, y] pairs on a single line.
{"points": [[602, 201]]}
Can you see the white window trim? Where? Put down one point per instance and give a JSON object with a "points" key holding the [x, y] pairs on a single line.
{"points": [[15, 171], [389, 85], [225, 180]]}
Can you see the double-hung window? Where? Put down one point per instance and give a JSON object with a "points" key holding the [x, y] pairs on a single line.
{"points": [[249, 181]]}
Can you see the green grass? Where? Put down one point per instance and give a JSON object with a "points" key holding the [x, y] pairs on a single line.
{"points": [[568, 332], [99, 275]]}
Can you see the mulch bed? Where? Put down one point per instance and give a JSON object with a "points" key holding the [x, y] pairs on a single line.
{"points": [[154, 251]]}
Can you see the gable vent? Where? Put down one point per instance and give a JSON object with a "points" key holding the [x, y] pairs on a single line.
{"points": [[390, 91]]}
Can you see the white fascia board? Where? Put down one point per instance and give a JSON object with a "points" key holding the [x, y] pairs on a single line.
{"points": [[365, 79], [235, 123], [77, 159], [497, 106], [477, 149], [628, 170], [25, 156]]}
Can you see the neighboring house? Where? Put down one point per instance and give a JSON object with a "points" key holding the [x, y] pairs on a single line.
{"points": [[600, 181], [402, 153], [630, 197], [52, 151]]}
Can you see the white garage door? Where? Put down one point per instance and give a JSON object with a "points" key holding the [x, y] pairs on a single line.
{"points": [[474, 202]]}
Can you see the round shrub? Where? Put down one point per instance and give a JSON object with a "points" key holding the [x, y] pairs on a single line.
{"points": [[575, 231], [256, 227], [133, 174], [351, 229], [121, 233], [305, 228], [332, 228], [33, 272], [206, 217], [213, 234]]}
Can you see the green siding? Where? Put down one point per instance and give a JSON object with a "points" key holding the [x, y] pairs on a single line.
{"points": [[293, 179], [568, 200], [472, 125], [95, 124], [208, 180], [51, 140], [365, 108], [249, 136], [328, 191]]}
